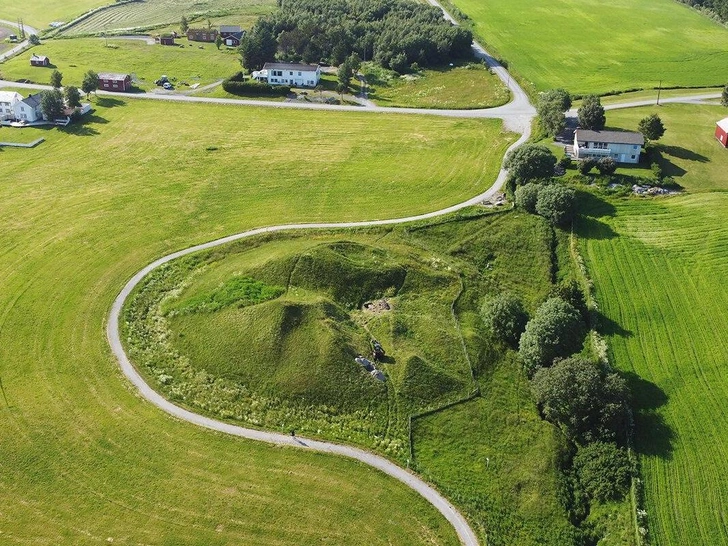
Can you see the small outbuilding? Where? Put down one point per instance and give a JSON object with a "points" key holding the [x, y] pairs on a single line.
{"points": [[114, 82], [166, 39], [39, 60], [721, 132]]}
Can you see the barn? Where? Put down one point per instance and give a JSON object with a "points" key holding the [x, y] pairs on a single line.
{"points": [[39, 60], [721, 132], [166, 39], [114, 82]]}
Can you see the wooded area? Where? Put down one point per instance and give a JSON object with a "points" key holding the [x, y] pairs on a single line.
{"points": [[718, 7]]}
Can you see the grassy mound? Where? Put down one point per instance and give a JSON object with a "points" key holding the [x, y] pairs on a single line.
{"points": [[423, 383]]}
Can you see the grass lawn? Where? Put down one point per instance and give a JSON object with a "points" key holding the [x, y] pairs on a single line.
{"points": [[658, 266], [83, 459], [39, 13], [470, 86], [588, 46], [73, 58], [651, 94]]}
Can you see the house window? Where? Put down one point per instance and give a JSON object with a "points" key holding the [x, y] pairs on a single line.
{"points": [[299, 73], [290, 73], [633, 157]]}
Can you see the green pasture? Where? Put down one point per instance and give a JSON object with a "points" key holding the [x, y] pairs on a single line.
{"points": [[588, 46], [83, 458], [651, 95], [658, 265], [193, 63], [39, 13], [470, 86]]}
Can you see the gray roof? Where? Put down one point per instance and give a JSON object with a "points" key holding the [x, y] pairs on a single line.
{"points": [[291, 66], [32, 100], [112, 76], [229, 28], [610, 137], [35, 57]]}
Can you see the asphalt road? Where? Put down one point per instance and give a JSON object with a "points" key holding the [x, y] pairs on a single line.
{"points": [[22, 45]]}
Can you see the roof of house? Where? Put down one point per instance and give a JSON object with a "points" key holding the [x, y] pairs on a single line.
{"points": [[206, 30], [229, 28], [41, 58], [10, 96], [32, 100], [610, 137], [291, 66], [723, 124], [112, 76], [238, 35]]}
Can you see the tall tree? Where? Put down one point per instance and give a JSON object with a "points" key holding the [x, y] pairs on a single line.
{"points": [[51, 104], [651, 127], [344, 73], [530, 162], [259, 46], [90, 82], [184, 25], [551, 108], [556, 203], [591, 113], [72, 96], [218, 41], [56, 79]]}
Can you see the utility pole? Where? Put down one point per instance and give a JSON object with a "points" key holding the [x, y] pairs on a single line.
{"points": [[22, 29], [3, 390], [659, 88]]}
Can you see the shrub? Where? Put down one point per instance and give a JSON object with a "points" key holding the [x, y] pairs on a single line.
{"points": [[586, 165], [606, 165], [237, 85], [530, 162], [604, 471], [556, 203], [505, 317], [556, 330], [526, 197], [565, 162]]}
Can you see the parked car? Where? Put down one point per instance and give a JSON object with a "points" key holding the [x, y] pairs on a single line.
{"points": [[167, 85]]}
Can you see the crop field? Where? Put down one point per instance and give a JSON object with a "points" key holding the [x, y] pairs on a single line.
{"points": [[73, 58], [38, 13], [588, 46], [658, 266], [154, 13], [83, 460]]}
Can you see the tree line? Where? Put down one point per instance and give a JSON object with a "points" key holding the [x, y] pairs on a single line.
{"points": [[392, 33], [718, 7]]}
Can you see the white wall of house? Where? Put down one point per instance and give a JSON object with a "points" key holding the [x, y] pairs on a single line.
{"points": [[295, 78], [8, 100], [27, 113], [621, 153]]}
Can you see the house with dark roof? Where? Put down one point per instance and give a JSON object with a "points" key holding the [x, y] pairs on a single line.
{"points": [[622, 146], [39, 60], [231, 35], [166, 39], [28, 109], [201, 34], [293, 74]]}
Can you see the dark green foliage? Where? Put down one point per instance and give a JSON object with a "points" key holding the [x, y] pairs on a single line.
{"points": [[238, 291], [604, 471], [656, 170], [584, 401], [238, 85], [724, 96], [56, 79], [72, 96], [505, 317], [530, 162], [556, 203], [718, 7], [527, 196], [591, 113], [422, 384], [394, 33], [90, 82], [184, 24], [566, 162], [606, 165], [259, 45], [586, 165], [570, 292], [651, 127], [551, 107], [51, 104], [556, 330], [33, 39]]}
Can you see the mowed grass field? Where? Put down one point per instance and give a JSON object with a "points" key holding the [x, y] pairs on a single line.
{"points": [[39, 13], [83, 459], [588, 46], [73, 58], [659, 269]]}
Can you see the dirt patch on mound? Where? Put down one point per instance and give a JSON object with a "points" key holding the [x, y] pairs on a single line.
{"points": [[377, 307]]}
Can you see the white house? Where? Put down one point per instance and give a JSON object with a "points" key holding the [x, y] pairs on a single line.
{"points": [[622, 146], [293, 74], [8, 100], [28, 109]]}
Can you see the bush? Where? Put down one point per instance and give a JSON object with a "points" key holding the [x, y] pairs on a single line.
{"points": [[586, 165], [556, 330], [526, 197], [606, 165], [237, 85], [565, 162], [556, 203], [530, 162], [604, 471], [505, 317]]}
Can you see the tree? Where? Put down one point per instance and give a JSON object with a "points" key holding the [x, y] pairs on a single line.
{"points": [[218, 41], [724, 96], [72, 96], [556, 203], [551, 108], [530, 162], [90, 82], [651, 127], [505, 317], [604, 471], [341, 89], [33, 39], [184, 25], [56, 78], [606, 165], [591, 113], [259, 46], [556, 330], [51, 104], [581, 399], [344, 73], [527, 196]]}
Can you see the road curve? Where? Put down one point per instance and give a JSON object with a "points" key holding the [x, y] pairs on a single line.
{"points": [[22, 45]]}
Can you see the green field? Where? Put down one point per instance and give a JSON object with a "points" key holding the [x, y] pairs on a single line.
{"points": [[73, 58], [658, 265], [83, 458], [459, 87], [156, 13], [39, 13], [588, 46]]}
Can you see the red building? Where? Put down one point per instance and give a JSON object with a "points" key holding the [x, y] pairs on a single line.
{"points": [[39, 60], [114, 82], [721, 132], [201, 34]]}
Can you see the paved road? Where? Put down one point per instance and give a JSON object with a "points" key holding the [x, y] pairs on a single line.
{"points": [[22, 45], [684, 99]]}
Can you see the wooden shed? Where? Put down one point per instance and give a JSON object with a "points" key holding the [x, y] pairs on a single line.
{"points": [[166, 39], [39, 60], [721, 132]]}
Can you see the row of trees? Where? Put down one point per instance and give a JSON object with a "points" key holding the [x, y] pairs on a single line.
{"points": [[719, 7], [53, 102], [393, 33]]}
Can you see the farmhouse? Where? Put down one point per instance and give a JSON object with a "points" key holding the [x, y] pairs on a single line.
{"points": [[28, 109], [8, 100], [231, 35], [201, 34], [114, 82], [721, 132], [39, 60], [622, 146], [166, 39], [296, 74]]}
